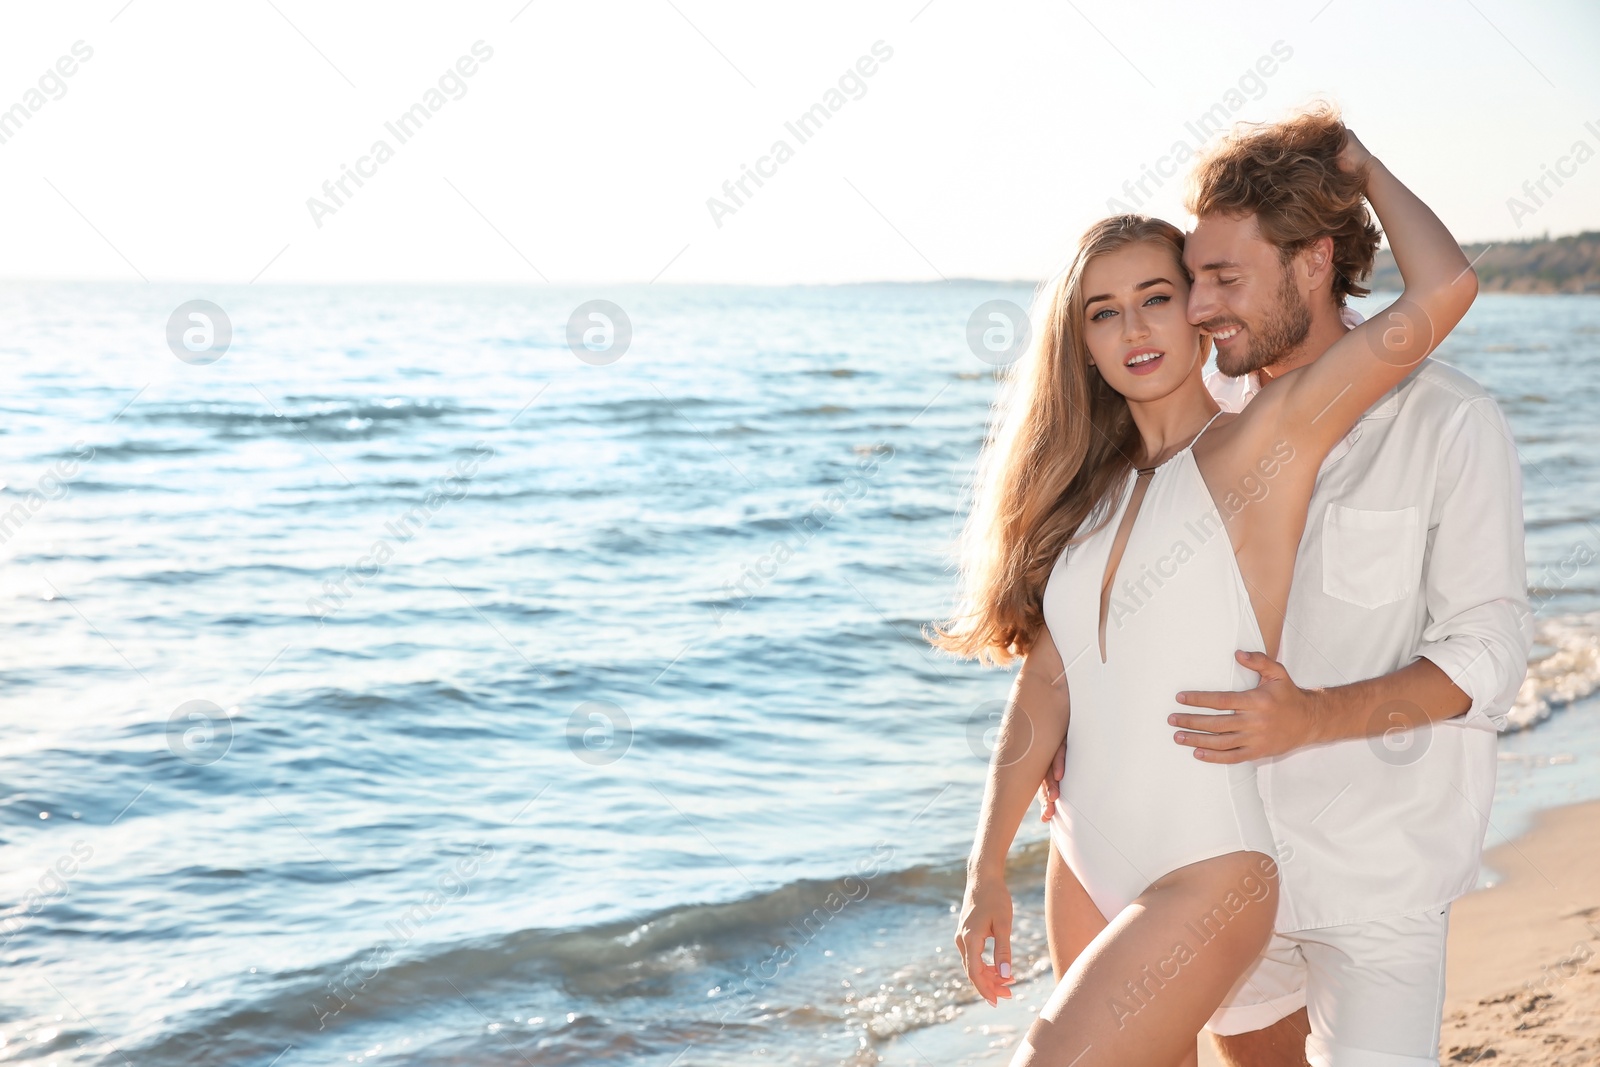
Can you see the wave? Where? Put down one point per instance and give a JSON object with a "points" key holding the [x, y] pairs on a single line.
{"points": [[141, 449], [1569, 673], [650, 973], [326, 417]]}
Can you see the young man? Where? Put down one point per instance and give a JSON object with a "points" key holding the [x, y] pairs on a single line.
{"points": [[1405, 641]]}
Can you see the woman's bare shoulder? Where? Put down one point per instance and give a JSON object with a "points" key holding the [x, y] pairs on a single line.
{"points": [[1237, 442]]}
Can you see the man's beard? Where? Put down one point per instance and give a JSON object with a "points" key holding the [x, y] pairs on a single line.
{"points": [[1284, 327]]}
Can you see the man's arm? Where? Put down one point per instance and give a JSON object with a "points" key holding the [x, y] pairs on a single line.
{"points": [[1480, 626], [1475, 647], [1412, 696], [1278, 716]]}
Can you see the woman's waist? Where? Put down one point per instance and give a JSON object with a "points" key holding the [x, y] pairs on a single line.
{"points": [[1138, 770]]}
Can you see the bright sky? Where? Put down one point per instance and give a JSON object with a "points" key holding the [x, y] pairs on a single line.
{"points": [[964, 139]]}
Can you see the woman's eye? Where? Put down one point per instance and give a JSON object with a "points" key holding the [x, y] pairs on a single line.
{"points": [[1158, 297], [1099, 314]]}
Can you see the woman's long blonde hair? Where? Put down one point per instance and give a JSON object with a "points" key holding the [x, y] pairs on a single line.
{"points": [[1060, 440]]}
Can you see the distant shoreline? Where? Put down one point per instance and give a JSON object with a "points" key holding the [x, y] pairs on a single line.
{"points": [[1553, 265], [1538, 265]]}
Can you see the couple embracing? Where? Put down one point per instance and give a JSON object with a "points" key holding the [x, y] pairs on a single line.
{"points": [[1269, 621]]}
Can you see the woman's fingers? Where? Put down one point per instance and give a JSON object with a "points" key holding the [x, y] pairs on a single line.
{"points": [[971, 947], [1050, 792], [991, 980], [1002, 960]]}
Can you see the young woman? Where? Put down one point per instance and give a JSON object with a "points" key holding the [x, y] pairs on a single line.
{"points": [[1125, 540]]}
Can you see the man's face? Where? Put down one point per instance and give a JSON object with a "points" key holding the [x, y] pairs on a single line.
{"points": [[1243, 295]]}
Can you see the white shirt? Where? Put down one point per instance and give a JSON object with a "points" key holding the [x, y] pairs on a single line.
{"points": [[1413, 548]]}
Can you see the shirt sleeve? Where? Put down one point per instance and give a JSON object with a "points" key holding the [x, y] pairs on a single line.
{"points": [[1480, 626]]}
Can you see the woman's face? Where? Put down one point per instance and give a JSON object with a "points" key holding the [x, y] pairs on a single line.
{"points": [[1135, 321]]}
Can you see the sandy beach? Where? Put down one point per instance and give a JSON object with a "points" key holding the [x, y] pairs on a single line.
{"points": [[1523, 983]]}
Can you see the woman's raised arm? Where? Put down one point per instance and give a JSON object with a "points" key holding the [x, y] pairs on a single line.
{"points": [[1317, 405]]}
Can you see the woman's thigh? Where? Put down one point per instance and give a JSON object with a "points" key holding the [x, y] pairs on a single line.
{"points": [[1071, 919], [1145, 985]]}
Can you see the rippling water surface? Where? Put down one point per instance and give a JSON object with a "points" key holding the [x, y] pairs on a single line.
{"points": [[401, 688]]}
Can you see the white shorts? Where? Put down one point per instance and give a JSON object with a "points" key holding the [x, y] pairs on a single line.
{"points": [[1373, 991]]}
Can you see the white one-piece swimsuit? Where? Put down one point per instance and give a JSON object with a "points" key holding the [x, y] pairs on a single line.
{"points": [[1135, 804]]}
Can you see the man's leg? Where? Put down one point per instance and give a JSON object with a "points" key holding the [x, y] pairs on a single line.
{"points": [[1263, 1021], [1375, 992], [1283, 1044]]}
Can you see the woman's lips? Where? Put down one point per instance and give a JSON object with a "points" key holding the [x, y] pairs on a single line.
{"points": [[1148, 362]]}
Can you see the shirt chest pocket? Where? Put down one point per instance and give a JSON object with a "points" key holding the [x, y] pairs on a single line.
{"points": [[1370, 558]]}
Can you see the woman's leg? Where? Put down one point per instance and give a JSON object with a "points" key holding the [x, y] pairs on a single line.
{"points": [[1147, 983], [1071, 919]]}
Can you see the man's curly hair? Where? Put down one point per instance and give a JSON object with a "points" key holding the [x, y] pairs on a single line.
{"points": [[1287, 175]]}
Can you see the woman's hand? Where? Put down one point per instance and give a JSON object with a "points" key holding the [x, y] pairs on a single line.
{"points": [[986, 913], [1353, 156], [1050, 790]]}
